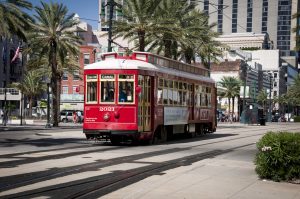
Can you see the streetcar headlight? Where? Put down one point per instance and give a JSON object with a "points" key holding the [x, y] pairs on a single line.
{"points": [[106, 117]]}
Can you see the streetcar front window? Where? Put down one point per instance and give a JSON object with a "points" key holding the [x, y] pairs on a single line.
{"points": [[126, 89], [91, 89], [107, 88]]}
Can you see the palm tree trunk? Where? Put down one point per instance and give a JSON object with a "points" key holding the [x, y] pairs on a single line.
{"points": [[54, 84], [30, 106], [232, 106], [229, 105], [239, 109], [141, 35], [168, 44]]}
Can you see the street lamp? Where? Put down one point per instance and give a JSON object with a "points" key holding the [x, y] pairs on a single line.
{"points": [[270, 103], [4, 109], [245, 71], [48, 124]]}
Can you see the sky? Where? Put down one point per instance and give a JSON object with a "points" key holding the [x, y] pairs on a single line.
{"points": [[86, 9]]}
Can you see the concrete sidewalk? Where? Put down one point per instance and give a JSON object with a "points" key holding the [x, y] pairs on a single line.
{"points": [[36, 125]]}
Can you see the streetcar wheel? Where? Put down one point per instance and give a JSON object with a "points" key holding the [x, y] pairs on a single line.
{"points": [[163, 134]]}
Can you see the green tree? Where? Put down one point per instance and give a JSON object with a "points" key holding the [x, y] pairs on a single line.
{"points": [[293, 93], [183, 32], [232, 89], [13, 19], [53, 36], [31, 86], [262, 97], [138, 21]]}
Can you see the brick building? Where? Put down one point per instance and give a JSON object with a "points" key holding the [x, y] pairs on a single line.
{"points": [[72, 86]]}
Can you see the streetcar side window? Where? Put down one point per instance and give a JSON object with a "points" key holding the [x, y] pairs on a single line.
{"points": [[126, 89], [160, 91], [107, 88], [91, 89]]}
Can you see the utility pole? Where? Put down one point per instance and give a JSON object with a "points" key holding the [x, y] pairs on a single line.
{"points": [[111, 4]]}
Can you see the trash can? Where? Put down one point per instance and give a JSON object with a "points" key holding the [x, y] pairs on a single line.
{"points": [[262, 121]]}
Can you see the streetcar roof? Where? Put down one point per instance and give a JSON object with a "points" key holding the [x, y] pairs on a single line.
{"points": [[121, 64]]}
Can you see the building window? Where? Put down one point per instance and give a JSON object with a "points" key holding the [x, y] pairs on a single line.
{"points": [[65, 90], [65, 75], [234, 15], [206, 7], [284, 26], [220, 16], [264, 22], [76, 75], [275, 75], [75, 89], [249, 15], [86, 58]]}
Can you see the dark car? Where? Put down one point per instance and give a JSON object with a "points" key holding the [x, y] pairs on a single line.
{"points": [[278, 118]]}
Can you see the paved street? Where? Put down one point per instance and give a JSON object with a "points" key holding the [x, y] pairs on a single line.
{"points": [[60, 163]]}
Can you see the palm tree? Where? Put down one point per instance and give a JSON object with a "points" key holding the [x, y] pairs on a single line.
{"points": [[138, 21], [232, 89], [53, 36], [13, 19], [293, 93], [183, 31], [31, 86], [262, 97], [171, 18]]}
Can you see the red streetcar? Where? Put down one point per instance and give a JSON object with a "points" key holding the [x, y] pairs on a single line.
{"points": [[146, 97]]}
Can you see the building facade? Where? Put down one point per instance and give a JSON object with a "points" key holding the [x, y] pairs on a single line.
{"points": [[256, 16], [72, 86], [253, 78]]}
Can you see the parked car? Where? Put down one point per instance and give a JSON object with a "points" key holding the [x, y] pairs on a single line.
{"points": [[67, 116]]}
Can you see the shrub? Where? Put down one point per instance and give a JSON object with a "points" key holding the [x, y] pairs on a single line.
{"points": [[297, 119], [278, 157]]}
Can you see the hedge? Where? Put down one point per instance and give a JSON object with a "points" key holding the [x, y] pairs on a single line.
{"points": [[297, 119], [278, 157]]}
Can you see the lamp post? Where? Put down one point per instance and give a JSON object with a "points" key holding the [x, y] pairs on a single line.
{"points": [[270, 102], [4, 109], [244, 95], [48, 124]]}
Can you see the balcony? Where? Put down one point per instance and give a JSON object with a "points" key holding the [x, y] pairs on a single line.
{"points": [[12, 94]]}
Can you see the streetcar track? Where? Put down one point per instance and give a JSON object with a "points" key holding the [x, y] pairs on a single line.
{"points": [[102, 185], [59, 172], [41, 176]]}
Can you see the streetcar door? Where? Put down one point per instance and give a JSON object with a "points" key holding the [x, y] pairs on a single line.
{"points": [[144, 111]]}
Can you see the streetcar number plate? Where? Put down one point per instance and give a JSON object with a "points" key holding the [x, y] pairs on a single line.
{"points": [[107, 108]]}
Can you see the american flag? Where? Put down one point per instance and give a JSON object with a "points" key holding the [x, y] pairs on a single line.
{"points": [[16, 55]]}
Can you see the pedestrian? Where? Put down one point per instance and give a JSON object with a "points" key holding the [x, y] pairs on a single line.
{"points": [[79, 116], [74, 117], [5, 117]]}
